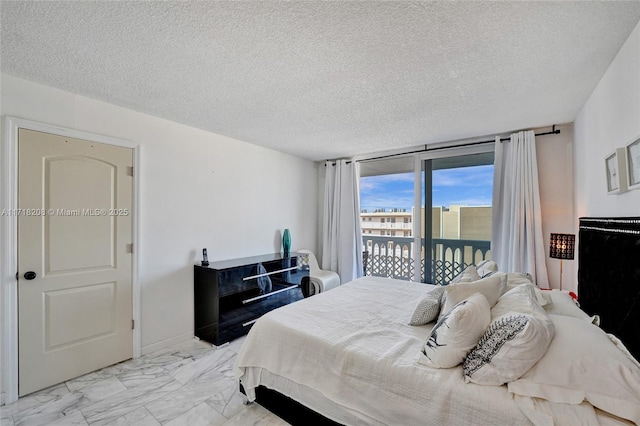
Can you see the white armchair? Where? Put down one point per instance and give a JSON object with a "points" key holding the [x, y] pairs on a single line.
{"points": [[320, 280]]}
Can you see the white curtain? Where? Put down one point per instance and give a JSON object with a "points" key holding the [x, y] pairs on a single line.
{"points": [[341, 233], [517, 244]]}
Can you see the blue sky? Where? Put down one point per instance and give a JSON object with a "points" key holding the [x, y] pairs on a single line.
{"points": [[467, 186]]}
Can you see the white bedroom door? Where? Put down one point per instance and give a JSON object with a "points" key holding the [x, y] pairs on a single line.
{"points": [[74, 258]]}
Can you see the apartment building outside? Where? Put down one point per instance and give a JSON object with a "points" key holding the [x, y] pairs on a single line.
{"points": [[454, 222], [460, 236]]}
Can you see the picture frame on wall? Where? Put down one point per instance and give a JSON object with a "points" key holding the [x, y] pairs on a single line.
{"points": [[616, 167], [632, 154]]}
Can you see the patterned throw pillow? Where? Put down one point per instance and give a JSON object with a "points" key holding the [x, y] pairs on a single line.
{"points": [[428, 307], [518, 336], [499, 332], [456, 333]]}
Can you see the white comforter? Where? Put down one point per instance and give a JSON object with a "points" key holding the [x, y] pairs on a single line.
{"points": [[352, 345]]}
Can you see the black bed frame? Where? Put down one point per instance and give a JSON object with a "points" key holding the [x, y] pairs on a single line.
{"points": [[608, 285], [609, 275], [289, 409]]}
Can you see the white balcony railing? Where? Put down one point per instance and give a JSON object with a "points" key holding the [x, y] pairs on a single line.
{"points": [[394, 257]]}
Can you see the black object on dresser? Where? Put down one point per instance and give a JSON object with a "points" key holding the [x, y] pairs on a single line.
{"points": [[229, 296]]}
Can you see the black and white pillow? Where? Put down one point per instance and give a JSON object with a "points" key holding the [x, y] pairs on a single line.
{"points": [[514, 341], [428, 307], [499, 332], [456, 333]]}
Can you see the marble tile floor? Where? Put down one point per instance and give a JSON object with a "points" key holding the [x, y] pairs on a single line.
{"points": [[190, 384]]}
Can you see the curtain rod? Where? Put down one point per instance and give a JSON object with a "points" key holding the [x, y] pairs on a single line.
{"points": [[553, 131], [334, 162]]}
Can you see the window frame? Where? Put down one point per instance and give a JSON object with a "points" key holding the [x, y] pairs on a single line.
{"points": [[436, 153]]}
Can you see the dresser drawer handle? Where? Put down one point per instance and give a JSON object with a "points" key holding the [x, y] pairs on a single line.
{"points": [[249, 322], [268, 294], [269, 273]]}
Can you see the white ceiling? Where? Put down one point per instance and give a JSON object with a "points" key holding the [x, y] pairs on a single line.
{"points": [[325, 79]]}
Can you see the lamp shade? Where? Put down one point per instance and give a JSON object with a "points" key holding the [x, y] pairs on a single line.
{"points": [[562, 246]]}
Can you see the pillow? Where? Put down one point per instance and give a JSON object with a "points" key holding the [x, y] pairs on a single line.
{"points": [[428, 307], [491, 287], [512, 344], [563, 304], [468, 275], [456, 333], [518, 336], [544, 298], [582, 363], [486, 268], [515, 279], [521, 299]]}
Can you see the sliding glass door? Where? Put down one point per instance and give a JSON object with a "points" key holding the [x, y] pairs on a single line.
{"points": [[452, 189], [455, 214]]}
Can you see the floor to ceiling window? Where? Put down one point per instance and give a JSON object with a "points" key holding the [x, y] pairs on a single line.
{"points": [[456, 203], [386, 216], [453, 189]]}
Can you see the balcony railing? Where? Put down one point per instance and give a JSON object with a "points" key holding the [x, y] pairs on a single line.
{"points": [[394, 257]]}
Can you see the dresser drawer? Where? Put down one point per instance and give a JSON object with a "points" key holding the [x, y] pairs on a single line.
{"points": [[247, 278], [238, 320]]}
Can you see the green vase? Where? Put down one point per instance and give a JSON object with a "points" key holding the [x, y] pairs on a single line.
{"points": [[286, 242]]}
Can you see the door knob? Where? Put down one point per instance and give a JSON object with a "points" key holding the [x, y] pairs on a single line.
{"points": [[29, 275]]}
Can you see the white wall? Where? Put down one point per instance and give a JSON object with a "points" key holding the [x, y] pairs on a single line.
{"points": [[610, 119], [198, 189]]}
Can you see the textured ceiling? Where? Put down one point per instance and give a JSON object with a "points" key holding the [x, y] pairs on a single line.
{"points": [[325, 79]]}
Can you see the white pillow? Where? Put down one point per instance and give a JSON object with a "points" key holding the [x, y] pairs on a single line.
{"points": [[512, 344], [486, 267], [491, 287], [544, 297], [456, 333], [428, 307], [563, 304], [521, 299], [470, 274], [582, 363], [518, 336], [515, 279]]}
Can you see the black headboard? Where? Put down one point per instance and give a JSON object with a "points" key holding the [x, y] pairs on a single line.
{"points": [[609, 275]]}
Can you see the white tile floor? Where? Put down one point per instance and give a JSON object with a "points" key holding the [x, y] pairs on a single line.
{"points": [[190, 384]]}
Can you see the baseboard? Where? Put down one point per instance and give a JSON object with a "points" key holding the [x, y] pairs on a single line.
{"points": [[154, 347]]}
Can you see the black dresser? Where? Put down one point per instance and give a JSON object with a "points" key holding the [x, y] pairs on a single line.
{"points": [[229, 296]]}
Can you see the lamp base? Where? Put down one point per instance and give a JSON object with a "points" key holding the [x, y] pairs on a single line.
{"points": [[560, 274]]}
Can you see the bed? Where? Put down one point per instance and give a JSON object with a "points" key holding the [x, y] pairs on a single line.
{"points": [[348, 356]]}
